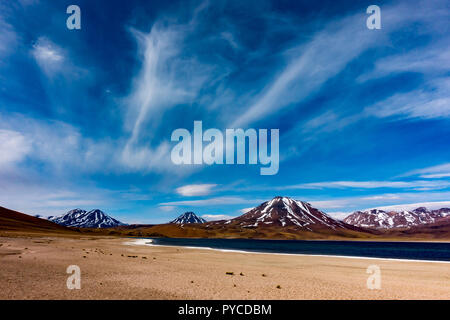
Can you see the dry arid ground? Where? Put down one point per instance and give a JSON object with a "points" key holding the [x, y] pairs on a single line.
{"points": [[34, 267]]}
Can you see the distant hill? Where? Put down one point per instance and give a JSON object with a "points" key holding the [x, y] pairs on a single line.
{"points": [[433, 231], [188, 217]]}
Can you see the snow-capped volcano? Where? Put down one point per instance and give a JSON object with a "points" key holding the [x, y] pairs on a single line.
{"points": [[188, 217], [380, 219], [284, 211], [82, 219]]}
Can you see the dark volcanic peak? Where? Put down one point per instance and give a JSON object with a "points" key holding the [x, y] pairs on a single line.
{"points": [[381, 219], [188, 217], [82, 219], [284, 211]]}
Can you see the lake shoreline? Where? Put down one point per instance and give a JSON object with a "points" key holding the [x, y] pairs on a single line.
{"points": [[146, 242]]}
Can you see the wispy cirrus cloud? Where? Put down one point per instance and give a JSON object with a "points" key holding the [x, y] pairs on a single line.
{"points": [[8, 37], [438, 171], [430, 60], [430, 103], [310, 65]]}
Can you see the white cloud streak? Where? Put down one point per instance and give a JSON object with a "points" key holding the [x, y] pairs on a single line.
{"points": [[411, 206], [195, 190], [8, 38], [167, 208], [13, 148], [433, 60], [435, 184], [212, 201], [216, 217], [48, 55], [439, 171], [426, 104]]}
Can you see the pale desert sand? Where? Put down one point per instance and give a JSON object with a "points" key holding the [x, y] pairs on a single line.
{"points": [[35, 268]]}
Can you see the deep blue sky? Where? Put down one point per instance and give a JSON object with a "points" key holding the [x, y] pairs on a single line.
{"points": [[86, 115]]}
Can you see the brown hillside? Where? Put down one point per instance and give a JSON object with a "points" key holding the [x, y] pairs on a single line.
{"points": [[11, 220]]}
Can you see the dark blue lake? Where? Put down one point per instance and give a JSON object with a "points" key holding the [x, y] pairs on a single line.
{"points": [[395, 250]]}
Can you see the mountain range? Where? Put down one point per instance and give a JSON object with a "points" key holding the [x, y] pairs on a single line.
{"points": [[278, 218], [381, 219]]}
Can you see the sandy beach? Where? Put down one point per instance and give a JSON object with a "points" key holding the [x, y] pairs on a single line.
{"points": [[34, 267]]}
